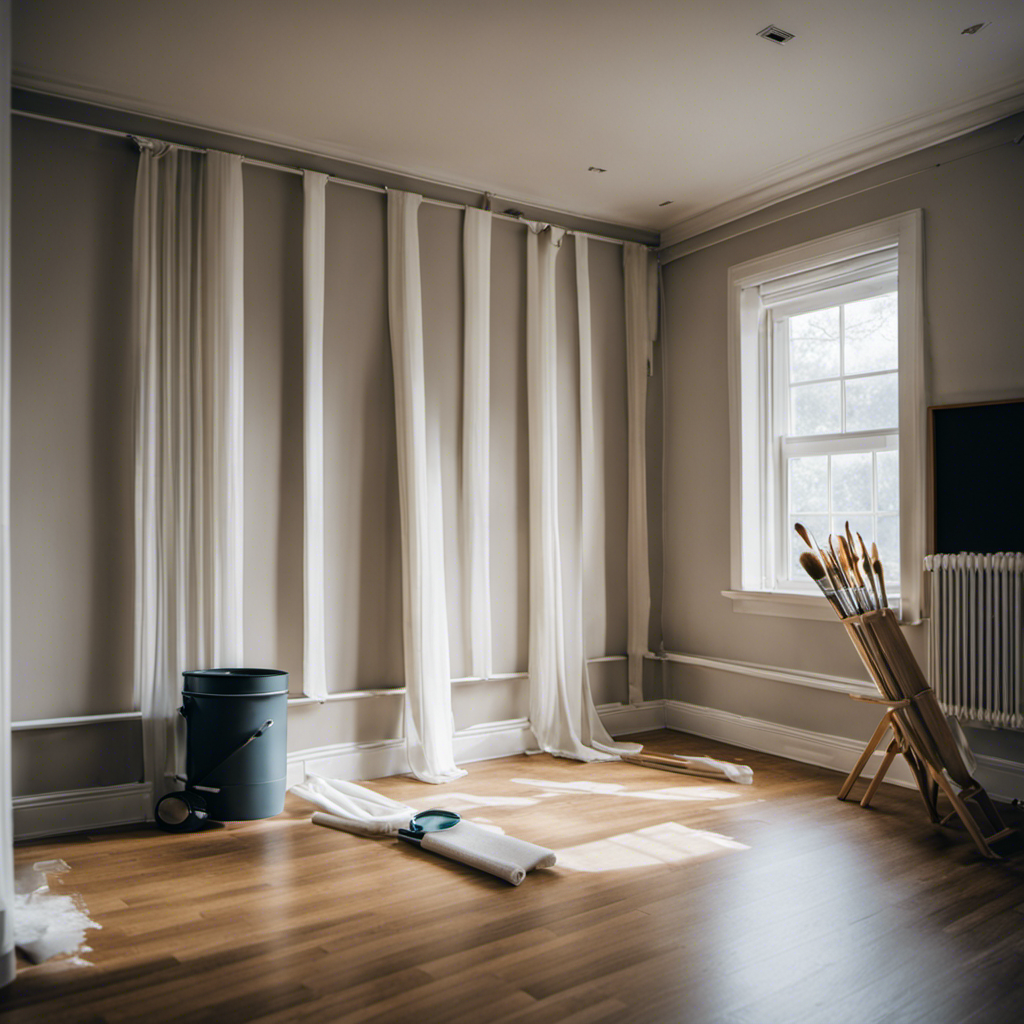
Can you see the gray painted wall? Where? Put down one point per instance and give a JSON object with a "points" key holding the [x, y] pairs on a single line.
{"points": [[72, 451], [972, 194]]}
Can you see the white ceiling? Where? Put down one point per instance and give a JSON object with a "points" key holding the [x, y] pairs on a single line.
{"points": [[678, 100]]}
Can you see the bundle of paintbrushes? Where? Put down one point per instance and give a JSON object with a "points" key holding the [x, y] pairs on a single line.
{"points": [[852, 583]]}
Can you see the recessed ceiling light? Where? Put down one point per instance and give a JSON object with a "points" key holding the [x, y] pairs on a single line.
{"points": [[776, 34], [598, 170], [668, 202], [973, 30]]}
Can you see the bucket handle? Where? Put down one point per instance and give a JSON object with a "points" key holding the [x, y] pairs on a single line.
{"points": [[241, 746]]}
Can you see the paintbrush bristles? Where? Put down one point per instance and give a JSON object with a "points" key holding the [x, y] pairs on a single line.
{"points": [[812, 566], [804, 535], [849, 563]]}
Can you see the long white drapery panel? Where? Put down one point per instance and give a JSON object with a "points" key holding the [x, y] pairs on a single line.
{"points": [[314, 661], [641, 326], [428, 705], [476, 438], [591, 541], [592, 523], [188, 334], [562, 713]]}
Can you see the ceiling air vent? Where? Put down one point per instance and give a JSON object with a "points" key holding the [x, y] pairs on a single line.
{"points": [[776, 34]]}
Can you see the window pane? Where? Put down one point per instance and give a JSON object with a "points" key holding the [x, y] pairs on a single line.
{"points": [[889, 550], [851, 483], [808, 484], [814, 345], [815, 409], [818, 525], [871, 337], [872, 403], [888, 481]]}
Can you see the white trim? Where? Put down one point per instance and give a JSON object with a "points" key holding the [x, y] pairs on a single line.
{"points": [[82, 810], [815, 680], [483, 742], [851, 156], [64, 723], [381, 758], [626, 719], [913, 404], [781, 603], [836, 752]]}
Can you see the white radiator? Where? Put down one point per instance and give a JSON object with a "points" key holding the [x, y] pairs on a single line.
{"points": [[977, 647]]}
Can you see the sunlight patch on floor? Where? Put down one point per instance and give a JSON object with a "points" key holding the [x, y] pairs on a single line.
{"points": [[667, 843], [726, 791], [470, 801]]}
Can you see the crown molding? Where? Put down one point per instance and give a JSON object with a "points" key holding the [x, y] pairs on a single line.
{"points": [[901, 138]]}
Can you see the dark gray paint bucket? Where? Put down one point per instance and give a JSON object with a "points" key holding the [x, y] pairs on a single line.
{"points": [[223, 708]]}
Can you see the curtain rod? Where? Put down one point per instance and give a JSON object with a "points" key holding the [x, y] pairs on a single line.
{"points": [[287, 169]]}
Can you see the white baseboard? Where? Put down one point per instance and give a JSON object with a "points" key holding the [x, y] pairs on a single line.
{"points": [[354, 761], [623, 719], [818, 748], [81, 810]]}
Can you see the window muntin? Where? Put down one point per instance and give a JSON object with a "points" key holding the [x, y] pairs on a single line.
{"points": [[835, 421]]}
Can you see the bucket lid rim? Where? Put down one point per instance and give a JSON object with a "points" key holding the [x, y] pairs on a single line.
{"points": [[234, 672]]}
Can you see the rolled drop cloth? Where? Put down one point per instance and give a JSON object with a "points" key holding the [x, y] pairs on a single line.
{"points": [[356, 809]]}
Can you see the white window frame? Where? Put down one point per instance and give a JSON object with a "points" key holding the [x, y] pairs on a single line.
{"points": [[754, 503]]}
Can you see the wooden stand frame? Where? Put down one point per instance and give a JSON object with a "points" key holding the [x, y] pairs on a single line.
{"points": [[919, 732]]}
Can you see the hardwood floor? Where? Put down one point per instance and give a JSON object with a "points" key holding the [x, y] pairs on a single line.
{"points": [[804, 909]]}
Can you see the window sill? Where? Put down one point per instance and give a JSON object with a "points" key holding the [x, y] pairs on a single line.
{"points": [[791, 606]]}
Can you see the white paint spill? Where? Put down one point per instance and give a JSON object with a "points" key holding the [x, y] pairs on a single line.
{"points": [[49, 924]]}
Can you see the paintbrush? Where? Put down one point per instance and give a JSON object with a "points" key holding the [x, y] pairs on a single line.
{"points": [[876, 565], [847, 561], [843, 588], [880, 575], [809, 539], [813, 567], [846, 546], [868, 574]]}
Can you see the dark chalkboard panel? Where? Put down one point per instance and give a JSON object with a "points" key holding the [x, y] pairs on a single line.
{"points": [[978, 477]]}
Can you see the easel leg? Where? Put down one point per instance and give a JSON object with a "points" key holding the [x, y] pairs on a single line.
{"points": [[876, 738], [890, 753]]}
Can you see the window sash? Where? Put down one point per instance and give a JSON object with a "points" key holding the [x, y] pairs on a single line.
{"points": [[782, 446], [863, 442]]}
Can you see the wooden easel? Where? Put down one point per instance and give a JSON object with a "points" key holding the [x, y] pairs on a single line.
{"points": [[919, 732]]}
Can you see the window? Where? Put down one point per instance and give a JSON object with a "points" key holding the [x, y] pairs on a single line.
{"points": [[827, 402]]}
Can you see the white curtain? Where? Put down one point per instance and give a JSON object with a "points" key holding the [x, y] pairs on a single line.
{"points": [[188, 334], [592, 485], [428, 706], [639, 267], [476, 437], [314, 661], [562, 713]]}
